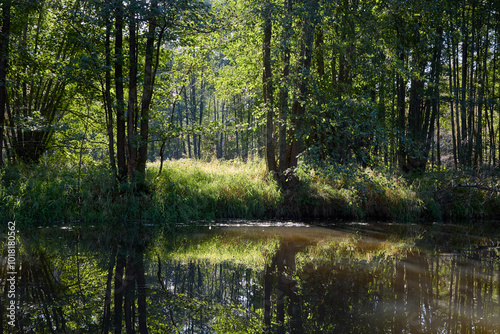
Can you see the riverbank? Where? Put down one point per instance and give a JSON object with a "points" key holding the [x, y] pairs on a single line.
{"points": [[189, 190]]}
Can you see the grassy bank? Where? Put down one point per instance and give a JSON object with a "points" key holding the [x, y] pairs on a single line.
{"points": [[58, 193]]}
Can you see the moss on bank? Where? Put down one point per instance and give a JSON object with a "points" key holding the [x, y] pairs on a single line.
{"points": [[62, 193]]}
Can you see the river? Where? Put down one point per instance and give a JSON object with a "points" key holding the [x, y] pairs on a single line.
{"points": [[257, 277]]}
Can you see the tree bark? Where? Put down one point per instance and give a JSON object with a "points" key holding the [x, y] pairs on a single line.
{"points": [[120, 103], [107, 93], [147, 93], [267, 84], [478, 156], [465, 46], [298, 107], [4, 63], [283, 108], [200, 120], [132, 94], [192, 87], [401, 94], [452, 104]]}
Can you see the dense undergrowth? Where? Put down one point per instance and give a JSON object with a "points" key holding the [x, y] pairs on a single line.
{"points": [[56, 193]]}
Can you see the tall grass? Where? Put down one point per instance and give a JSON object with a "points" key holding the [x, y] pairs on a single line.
{"points": [[360, 193], [55, 193], [58, 193], [195, 190]]}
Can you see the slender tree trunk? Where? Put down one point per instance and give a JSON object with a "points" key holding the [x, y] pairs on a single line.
{"points": [[107, 95], [452, 111], [401, 96], [472, 101], [454, 53], [334, 76], [217, 135], [192, 87], [435, 100], [222, 134], [236, 132], [132, 94], [493, 86], [4, 63], [186, 108], [463, 102], [200, 120], [479, 139], [283, 108], [320, 59], [249, 135], [120, 103], [147, 93], [268, 90]]}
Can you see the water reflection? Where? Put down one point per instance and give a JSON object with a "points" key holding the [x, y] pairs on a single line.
{"points": [[256, 279]]}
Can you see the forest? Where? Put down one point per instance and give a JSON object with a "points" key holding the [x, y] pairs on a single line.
{"points": [[249, 166], [403, 89]]}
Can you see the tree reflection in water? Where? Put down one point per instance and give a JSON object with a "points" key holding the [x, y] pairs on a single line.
{"points": [[68, 283]]}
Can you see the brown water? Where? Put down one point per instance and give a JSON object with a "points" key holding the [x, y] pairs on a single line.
{"points": [[245, 277]]}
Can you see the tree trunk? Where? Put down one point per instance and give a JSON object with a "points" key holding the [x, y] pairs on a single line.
{"points": [[147, 93], [120, 103], [463, 102], [452, 104], [4, 63], [188, 137], [401, 95], [268, 90], [320, 59], [222, 142], [478, 157], [493, 86], [454, 53], [192, 87], [132, 94], [283, 108], [298, 107], [107, 94], [472, 102], [202, 107]]}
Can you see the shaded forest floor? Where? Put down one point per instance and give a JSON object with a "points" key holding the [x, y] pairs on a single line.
{"points": [[58, 193]]}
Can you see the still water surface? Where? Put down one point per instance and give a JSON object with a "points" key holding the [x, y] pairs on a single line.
{"points": [[255, 277]]}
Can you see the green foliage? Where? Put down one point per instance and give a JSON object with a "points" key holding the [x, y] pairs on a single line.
{"points": [[358, 192], [458, 196], [61, 193], [346, 131]]}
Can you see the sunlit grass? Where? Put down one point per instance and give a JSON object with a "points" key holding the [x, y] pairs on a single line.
{"points": [[59, 192], [213, 190]]}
